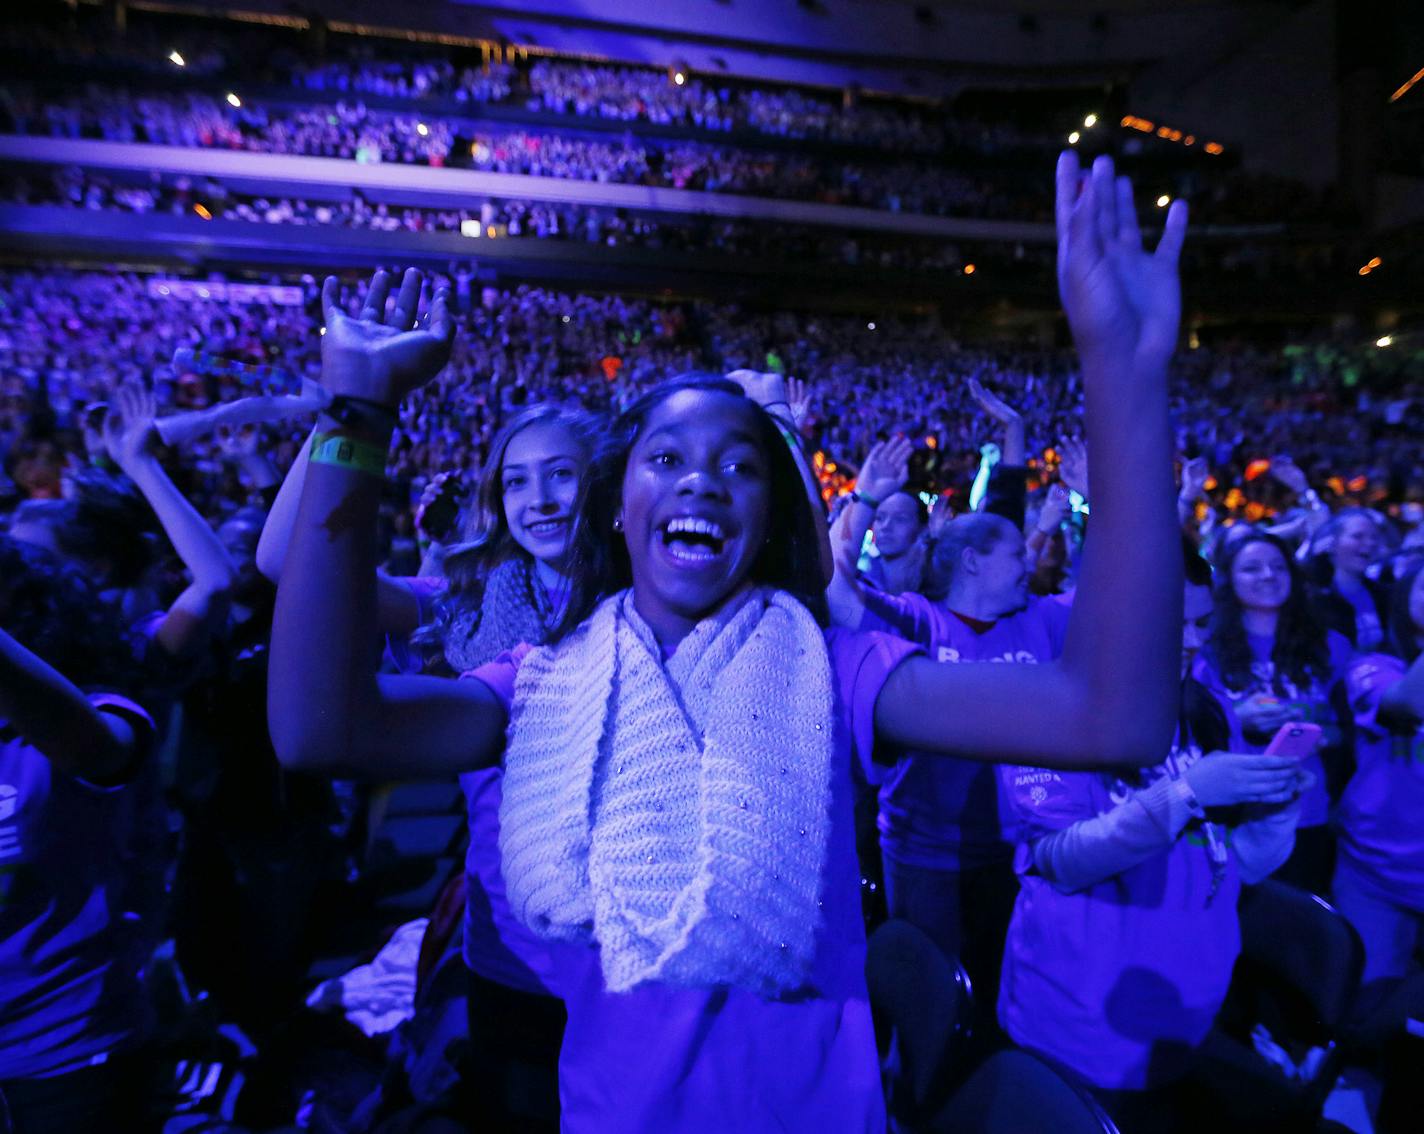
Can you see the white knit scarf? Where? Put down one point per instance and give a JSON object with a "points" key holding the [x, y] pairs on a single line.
{"points": [[677, 815]]}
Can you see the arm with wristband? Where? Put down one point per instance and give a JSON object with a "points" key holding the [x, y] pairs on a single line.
{"points": [[883, 473], [328, 709]]}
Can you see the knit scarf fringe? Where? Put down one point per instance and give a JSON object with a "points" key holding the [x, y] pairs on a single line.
{"points": [[676, 815]]}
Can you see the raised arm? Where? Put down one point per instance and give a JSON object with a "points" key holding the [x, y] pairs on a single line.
{"points": [[771, 393], [1112, 696], [328, 710], [397, 609], [883, 473], [55, 716], [129, 434], [1013, 448]]}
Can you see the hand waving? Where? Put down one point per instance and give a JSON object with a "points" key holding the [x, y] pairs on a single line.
{"points": [[1123, 303], [993, 406], [384, 357], [798, 394], [1073, 466], [128, 426], [1194, 478], [885, 469]]}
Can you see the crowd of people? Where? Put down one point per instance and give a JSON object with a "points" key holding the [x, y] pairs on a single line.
{"points": [[1297, 480]]}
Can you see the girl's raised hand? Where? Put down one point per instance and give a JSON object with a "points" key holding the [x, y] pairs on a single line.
{"points": [[1123, 303], [379, 356]]}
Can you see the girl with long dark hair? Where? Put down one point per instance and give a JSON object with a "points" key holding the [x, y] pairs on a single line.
{"points": [[1273, 662]]}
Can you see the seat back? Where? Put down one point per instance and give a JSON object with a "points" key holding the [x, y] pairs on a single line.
{"points": [[926, 998], [1303, 954], [1014, 1092]]}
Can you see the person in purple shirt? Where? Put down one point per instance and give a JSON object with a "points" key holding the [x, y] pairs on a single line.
{"points": [[80, 869], [1379, 873], [676, 817], [1125, 931], [1274, 663], [948, 866]]}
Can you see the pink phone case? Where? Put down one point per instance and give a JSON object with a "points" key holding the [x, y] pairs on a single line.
{"points": [[1296, 739]]}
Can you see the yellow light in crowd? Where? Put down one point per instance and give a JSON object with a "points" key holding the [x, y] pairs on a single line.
{"points": [[1366, 270], [233, 100], [1215, 148], [1163, 201], [202, 212], [1210, 483], [1090, 121], [931, 442], [1257, 468], [970, 269], [1384, 341], [679, 78], [422, 129], [490, 232], [1126, 120], [1374, 262], [1189, 140], [1404, 90], [176, 59], [1073, 138], [1164, 132]]}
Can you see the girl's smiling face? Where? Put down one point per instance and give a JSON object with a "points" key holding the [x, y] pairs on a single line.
{"points": [[695, 499]]}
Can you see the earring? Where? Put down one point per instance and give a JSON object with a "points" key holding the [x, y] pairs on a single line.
{"points": [[617, 523]]}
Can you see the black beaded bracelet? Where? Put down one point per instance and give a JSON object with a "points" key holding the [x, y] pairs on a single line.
{"points": [[359, 413]]}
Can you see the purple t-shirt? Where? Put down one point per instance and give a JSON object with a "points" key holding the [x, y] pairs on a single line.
{"points": [[1382, 810], [662, 1058], [941, 812], [74, 874], [1311, 704], [1117, 979]]}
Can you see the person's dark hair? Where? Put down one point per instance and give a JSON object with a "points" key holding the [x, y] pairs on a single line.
{"points": [[1195, 569], [789, 560], [1300, 653], [979, 531], [112, 525], [922, 510], [1401, 635], [487, 540], [52, 609]]}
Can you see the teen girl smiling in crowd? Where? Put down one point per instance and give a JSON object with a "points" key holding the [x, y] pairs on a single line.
{"points": [[506, 584], [676, 817], [1273, 662]]}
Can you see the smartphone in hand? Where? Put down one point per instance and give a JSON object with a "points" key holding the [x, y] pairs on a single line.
{"points": [[1295, 738]]}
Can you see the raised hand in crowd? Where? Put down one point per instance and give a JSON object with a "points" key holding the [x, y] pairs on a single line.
{"points": [[201, 609], [1073, 466], [799, 393], [1194, 477], [1014, 449]]}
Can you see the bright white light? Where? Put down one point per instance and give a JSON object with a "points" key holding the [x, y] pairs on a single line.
{"points": [[323, 330], [870, 326], [679, 78], [233, 100], [176, 59], [1163, 201], [565, 319], [1073, 138], [1090, 121], [1384, 341], [422, 129]]}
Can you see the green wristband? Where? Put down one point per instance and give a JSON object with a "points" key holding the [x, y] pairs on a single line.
{"points": [[866, 499], [348, 453]]}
